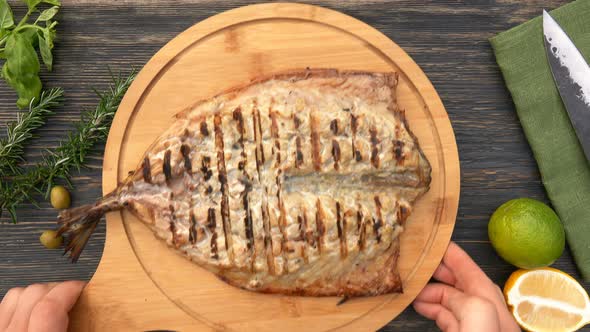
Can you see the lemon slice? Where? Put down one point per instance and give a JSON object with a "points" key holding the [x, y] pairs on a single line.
{"points": [[547, 299]]}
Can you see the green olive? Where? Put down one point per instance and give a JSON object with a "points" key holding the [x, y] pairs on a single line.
{"points": [[60, 197], [50, 240]]}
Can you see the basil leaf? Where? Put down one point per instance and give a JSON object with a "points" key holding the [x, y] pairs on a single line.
{"points": [[48, 14], [52, 2], [32, 4], [6, 17], [21, 69], [45, 46]]}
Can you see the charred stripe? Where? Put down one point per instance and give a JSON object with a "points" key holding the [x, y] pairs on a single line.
{"points": [[341, 234], [185, 151], [379, 221], [374, 148], [320, 227], [222, 176], [336, 154], [204, 129], [267, 239], [212, 225], [362, 230], [356, 154], [192, 232], [334, 126], [205, 164], [166, 167], [211, 219], [315, 143], [248, 218], [214, 251], [146, 170], [299, 153], [302, 227], [402, 214], [398, 151]]}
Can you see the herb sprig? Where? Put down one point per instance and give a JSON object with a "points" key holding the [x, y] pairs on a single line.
{"points": [[21, 130], [18, 43], [70, 155]]}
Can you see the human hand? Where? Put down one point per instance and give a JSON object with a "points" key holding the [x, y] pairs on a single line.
{"points": [[39, 307], [465, 299]]}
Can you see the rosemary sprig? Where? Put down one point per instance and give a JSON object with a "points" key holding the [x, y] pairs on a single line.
{"points": [[21, 130], [70, 154]]}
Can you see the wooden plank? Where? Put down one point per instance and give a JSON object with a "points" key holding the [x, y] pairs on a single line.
{"points": [[448, 39]]}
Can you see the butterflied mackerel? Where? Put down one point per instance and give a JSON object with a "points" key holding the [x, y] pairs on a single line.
{"points": [[298, 183]]}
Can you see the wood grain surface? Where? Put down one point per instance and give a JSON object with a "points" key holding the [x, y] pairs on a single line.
{"points": [[448, 39]]}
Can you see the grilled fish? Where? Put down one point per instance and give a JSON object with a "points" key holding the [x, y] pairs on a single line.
{"points": [[299, 183]]}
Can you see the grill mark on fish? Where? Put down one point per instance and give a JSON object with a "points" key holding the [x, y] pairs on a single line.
{"points": [[259, 154], [402, 214], [374, 148], [302, 227], [267, 238], [334, 126], [204, 129], [398, 147], [166, 167], [205, 164], [259, 151], [146, 170], [239, 118], [315, 143], [192, 234], [321, 229], [248, 218], [211, 220], [222, 176], [172, 226], [214, 252], [296, 121], [362, 229], [309, 236], [299, 154], [356, 154], [336, 154], [282, 222], [341, 231], [185, 152], [212, 225], [344, 234], [379, 221], [274, 132]]}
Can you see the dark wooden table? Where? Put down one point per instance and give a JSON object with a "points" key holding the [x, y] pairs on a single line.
{"points": [[448, 39]]}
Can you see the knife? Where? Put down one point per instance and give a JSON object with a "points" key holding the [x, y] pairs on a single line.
{"points": [[572, 77]]}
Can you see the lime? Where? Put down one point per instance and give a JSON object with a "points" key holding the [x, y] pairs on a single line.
{"points": [[526, 233]]}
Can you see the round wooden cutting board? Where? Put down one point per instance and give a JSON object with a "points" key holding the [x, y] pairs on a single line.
{"points": [[142, 285]]}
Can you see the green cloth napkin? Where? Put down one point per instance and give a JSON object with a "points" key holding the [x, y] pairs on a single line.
{"points": [[566, 173]]}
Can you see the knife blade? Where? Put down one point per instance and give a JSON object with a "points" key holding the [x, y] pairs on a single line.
{"points": [[572, 77]]}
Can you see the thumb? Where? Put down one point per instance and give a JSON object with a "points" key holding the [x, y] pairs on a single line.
{"points": [[51, 312], [472, 313]]}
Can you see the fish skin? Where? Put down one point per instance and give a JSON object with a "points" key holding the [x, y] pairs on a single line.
{"points": [[298, 183]]}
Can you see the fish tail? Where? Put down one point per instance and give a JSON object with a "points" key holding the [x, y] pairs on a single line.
{"points": [[79, 223]]}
